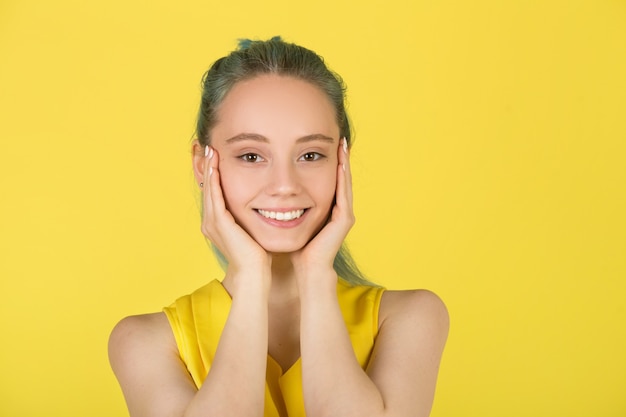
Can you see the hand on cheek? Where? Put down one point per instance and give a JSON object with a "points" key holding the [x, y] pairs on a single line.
{"points": [[317, 257], [219, 226]]}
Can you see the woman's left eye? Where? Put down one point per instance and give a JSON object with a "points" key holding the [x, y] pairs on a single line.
{"points": [[311, 156]]}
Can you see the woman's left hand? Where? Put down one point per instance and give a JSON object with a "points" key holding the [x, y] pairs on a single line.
{"points": [[318, 255]]}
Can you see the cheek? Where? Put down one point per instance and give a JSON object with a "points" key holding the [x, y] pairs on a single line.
{"points": [[234, 187], [324, 188]]}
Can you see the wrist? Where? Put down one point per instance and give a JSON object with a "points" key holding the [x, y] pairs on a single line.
{"points": [[248, 282], [317, 283]]}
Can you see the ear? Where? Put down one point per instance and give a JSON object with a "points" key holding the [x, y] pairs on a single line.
{"points": [[197, 160]]}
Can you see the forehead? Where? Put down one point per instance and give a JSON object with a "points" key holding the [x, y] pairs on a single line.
{"points": [[275, 106]]}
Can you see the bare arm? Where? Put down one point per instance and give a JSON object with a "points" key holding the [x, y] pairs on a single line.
{"points": [[402, 373], [145, 360], [235, 385]]}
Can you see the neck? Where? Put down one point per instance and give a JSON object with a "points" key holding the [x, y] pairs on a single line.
{"points": [[284, 286]]}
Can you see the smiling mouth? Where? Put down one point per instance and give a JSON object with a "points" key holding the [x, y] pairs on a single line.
{"points": [[284, 216]]}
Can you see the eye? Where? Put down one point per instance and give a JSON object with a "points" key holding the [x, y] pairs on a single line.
{"points": [[311, 156], [251, 157]]}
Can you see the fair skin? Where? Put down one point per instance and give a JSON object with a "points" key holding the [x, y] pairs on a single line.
{"points": [[278, 204]]}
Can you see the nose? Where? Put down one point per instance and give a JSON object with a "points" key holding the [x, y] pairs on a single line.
{"points": [[282, 179]]}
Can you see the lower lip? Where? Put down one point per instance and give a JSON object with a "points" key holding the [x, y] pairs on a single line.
{"points": [[283, 223]]}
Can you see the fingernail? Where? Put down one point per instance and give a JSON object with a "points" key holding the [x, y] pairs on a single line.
{"points": [[343, 166], [206, 150], [210, 153], [210, 171], [345, 145]]}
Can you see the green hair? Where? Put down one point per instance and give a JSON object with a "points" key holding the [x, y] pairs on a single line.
{"points": [[274, 56]]}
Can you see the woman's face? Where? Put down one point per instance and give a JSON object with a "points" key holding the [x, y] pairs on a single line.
{"points": [[277, 138]]}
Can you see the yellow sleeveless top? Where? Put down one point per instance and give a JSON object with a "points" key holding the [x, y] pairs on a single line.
{"points": [[198, 319]]}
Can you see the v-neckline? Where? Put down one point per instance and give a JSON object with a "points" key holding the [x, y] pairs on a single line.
{"points": [[270, 359], [283, 373]]}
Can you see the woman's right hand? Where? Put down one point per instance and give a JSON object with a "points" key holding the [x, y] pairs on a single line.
{"points": [[244, 255]]}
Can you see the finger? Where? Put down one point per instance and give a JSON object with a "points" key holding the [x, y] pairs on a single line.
{"points": [[216, 217], [344, 179], [223, 219], [214, 206], [348, 175], [206, 180], [218, 205]]}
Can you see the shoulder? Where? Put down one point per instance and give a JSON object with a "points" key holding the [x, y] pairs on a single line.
{"points": [[413, 329], [136, 330], [145, 360], [142, 337], [417, 309]]}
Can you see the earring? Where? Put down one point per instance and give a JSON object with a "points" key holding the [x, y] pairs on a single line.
{"points": [[201, 184]]}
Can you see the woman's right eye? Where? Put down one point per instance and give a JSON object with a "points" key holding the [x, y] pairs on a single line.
{"points": [[251, 157]]}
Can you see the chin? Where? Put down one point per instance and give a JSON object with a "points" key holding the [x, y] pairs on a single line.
{"points": [[282, 241], [282, 245]]}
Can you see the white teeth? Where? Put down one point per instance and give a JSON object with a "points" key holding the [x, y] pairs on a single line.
{"points": [[281, 215]]}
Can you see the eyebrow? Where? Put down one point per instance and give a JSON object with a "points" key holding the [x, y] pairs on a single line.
{"points": [[260, 138]]}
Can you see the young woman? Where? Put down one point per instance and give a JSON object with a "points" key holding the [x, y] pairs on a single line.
{"points": [[292, 329]]}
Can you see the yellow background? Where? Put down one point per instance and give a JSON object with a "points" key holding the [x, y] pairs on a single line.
{"points": [[489, 167]]}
